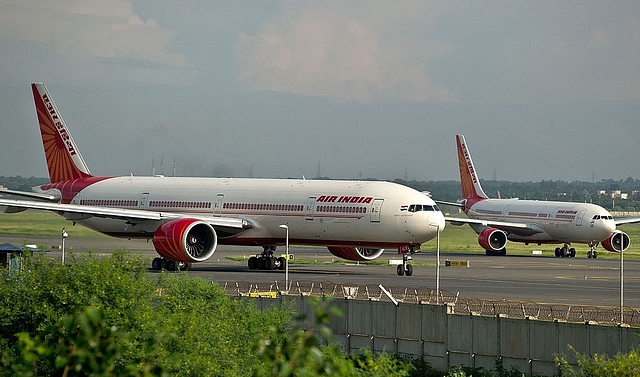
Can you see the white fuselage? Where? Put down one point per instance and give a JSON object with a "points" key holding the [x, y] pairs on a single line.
{"points": [[355, 213], [560, 222]]}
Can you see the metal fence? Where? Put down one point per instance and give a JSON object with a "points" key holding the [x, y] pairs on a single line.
{"points": [[425, 295]]}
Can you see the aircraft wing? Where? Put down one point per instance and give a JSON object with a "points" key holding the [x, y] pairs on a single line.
{"points": [[460, 205], [627, 220], [78, 212], [6, 193], [517, 228]]}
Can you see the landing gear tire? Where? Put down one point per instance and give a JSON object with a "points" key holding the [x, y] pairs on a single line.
{"points": [[169, 265], [400, 270], [282, 263], [572, 252], [253, 263], [559, 253], [409, 271], [269, 263]]}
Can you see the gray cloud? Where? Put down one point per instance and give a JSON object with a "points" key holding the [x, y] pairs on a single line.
{"points": [[542, 90], [341, 55]]}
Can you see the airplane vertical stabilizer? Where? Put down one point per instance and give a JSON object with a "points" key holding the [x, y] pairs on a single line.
{"points": [[471, 188], [63, 157]]}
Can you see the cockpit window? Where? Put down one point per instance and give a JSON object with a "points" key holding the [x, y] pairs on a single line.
{"points": [[423, 207], [602, 217]]}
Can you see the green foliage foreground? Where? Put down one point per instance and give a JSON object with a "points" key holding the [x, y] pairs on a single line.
{"points": [[106, 317]]}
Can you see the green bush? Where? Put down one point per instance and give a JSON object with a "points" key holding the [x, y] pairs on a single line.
{"points": [[621, 365], [104, 316]]}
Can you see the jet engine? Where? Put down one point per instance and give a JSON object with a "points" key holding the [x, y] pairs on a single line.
{"points": [[355, 253], [185, 240], [492, 239], [615, 240]]}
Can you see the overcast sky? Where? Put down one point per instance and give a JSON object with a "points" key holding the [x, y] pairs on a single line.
{"points": [[542, 90]]}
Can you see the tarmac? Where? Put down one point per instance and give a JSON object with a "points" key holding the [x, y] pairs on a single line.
{"points": [[543, 279]]}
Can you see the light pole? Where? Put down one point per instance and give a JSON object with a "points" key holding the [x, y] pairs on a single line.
{"points": [[64, 237], [621, 278], [437, 263], [286, 264]]}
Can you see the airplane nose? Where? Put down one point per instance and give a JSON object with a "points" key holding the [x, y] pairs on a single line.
{"points": [[611, 226], [436, 222]]}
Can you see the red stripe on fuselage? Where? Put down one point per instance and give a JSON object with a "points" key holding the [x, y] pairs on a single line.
{"points": [[69, 189]]}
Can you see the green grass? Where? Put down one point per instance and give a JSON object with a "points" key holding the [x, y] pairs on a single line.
{"points": [[453, 238], [41, 223]]}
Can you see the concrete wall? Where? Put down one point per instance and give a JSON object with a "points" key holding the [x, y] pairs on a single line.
{"points": [[446, 339]]}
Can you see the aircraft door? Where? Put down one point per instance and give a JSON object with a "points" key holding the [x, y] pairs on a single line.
{"points": [[217, 205], [308, 209], [144, 200], [376, 206], [579, 217]]}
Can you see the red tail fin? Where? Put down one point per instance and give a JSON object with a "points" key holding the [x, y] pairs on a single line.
{"points": [[63, 158], [471, 188]]}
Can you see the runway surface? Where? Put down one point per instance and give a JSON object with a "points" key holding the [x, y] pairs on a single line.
{"points": [[540, 279]]}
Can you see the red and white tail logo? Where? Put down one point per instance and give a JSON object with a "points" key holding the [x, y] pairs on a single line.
{"points": [[469, 181], [63, 158]]}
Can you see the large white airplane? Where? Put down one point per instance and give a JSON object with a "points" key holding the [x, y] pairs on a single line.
{"points": [[533, 221], [186, 218]]}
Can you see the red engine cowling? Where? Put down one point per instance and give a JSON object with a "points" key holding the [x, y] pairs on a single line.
{"points": [[615, 240], [355, 253], [492, 239], [185, 240]]}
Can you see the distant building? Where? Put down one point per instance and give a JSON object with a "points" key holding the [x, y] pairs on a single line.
{"points": [[615, 193]]}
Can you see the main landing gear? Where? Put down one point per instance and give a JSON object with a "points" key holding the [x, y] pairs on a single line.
{"points": [[162, 263], [502, 252], [266, 260], [566, 251], [405, 268]]}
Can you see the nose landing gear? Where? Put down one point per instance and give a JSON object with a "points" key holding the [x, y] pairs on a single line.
{"points": [[592, 253], [405, 268]]}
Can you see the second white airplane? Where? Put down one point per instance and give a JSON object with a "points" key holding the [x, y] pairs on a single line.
{"points": [[533, 221], [186, 218]]}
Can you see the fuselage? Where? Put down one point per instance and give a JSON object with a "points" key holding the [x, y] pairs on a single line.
{"points": [[560, 222], [354, 213]]}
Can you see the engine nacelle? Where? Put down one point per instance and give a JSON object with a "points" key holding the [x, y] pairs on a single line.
{"points": [[492, 239], [358, 254], [615, 240], [185, 240]]}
